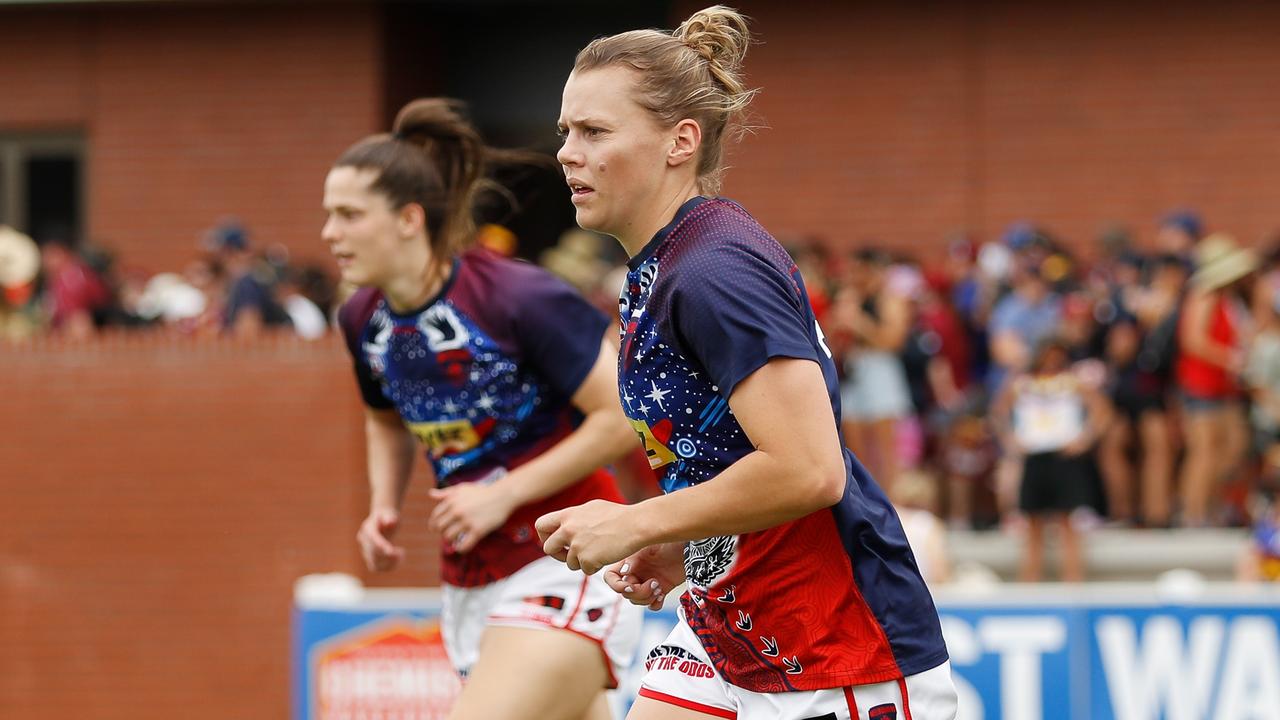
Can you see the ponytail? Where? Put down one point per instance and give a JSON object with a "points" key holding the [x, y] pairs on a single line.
{"points": [[436, 158]]}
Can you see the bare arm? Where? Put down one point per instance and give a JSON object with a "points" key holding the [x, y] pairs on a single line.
{"points": [[1000, 414], [942, 382], [1009, 350], [1098, 410], [939, 553], [604, 436], [796, 469], [389, 450], [248, 323], [468, 512], [889, 332]]}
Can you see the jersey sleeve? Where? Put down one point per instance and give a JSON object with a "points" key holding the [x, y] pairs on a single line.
{"points": [[734, 310], [558, 331], [353, 318]]}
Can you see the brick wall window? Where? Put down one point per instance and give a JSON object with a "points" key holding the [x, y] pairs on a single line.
{"points": [[42, 185]]}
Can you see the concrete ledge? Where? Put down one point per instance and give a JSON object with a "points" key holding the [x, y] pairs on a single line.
{"points": [[1135, 555]]}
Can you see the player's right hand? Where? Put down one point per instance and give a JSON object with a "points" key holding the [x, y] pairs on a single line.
{"points": [[374, 538], [646, 577]]}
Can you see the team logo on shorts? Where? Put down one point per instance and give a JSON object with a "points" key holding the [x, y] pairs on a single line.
{"points": [[883, 712], [706, 561]]}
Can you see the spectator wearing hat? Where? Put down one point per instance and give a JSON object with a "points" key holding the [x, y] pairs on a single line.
{"points": [[1178, 233], [19, 268], [1213, 336], [251, 302]]}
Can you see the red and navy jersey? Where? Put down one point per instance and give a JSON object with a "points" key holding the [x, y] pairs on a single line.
{"points": [[828, 600], [483, 375]]}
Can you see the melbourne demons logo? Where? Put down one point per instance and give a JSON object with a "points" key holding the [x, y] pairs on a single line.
{"points": [[706, 561]]}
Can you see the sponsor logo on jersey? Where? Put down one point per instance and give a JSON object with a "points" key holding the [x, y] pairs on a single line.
{"points": [[654, 440], [450, 437]]}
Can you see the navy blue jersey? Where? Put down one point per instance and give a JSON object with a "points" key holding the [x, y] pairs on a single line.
{"points": [[828, 600], [483, 374]]}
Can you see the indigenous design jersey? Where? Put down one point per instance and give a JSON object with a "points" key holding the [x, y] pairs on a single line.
{"points": [[482, 375], [828, 600]]}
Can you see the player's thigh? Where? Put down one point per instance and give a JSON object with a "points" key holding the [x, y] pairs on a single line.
{"points": [[533, 674], [599, 708], [649, 709]]}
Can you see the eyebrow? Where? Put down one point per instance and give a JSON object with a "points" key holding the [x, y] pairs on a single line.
{"points": [[583, 121]]}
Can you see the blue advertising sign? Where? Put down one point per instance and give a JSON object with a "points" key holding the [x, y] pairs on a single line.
{"points": [[1091, 653]]}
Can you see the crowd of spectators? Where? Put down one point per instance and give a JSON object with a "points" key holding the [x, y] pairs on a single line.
{"points": [[229, 287], [1020, 383], [1014, 383]]}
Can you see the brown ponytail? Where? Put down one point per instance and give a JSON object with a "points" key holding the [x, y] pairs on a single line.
{"points": [[434, 157]]}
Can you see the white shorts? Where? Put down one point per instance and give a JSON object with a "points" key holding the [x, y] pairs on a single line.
{"points": [[680, 673], [546, 595]]}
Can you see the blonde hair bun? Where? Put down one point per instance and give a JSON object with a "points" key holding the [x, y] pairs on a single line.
{"points": [[719, 34]]}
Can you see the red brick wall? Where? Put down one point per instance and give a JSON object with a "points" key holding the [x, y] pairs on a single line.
{"points": [[160, 498], [896, 122], [195, 112], [901, 122]]}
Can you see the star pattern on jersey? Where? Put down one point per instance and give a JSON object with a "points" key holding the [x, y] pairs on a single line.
{"points": [[657, 395], [693, 434], [471, 397]]}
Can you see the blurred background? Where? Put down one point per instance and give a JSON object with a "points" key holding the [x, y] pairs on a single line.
{"points": [[966, 186]]}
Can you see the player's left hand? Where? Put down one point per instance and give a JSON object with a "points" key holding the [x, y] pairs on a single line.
{"points": [[590, 536], [466, 513]]}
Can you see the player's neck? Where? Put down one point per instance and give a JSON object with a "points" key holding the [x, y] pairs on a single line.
{"points": [[645, 227], [412, 291]]}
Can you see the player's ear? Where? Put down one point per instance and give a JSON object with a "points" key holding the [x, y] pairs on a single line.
{"points": [[410, 219], [686, 138]]}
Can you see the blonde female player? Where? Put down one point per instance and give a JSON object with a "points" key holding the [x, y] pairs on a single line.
{"points": [[503, 373], [804, 599]]}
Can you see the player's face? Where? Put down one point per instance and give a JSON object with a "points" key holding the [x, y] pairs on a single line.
{"points": [[614, 150], [361, 230]]}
